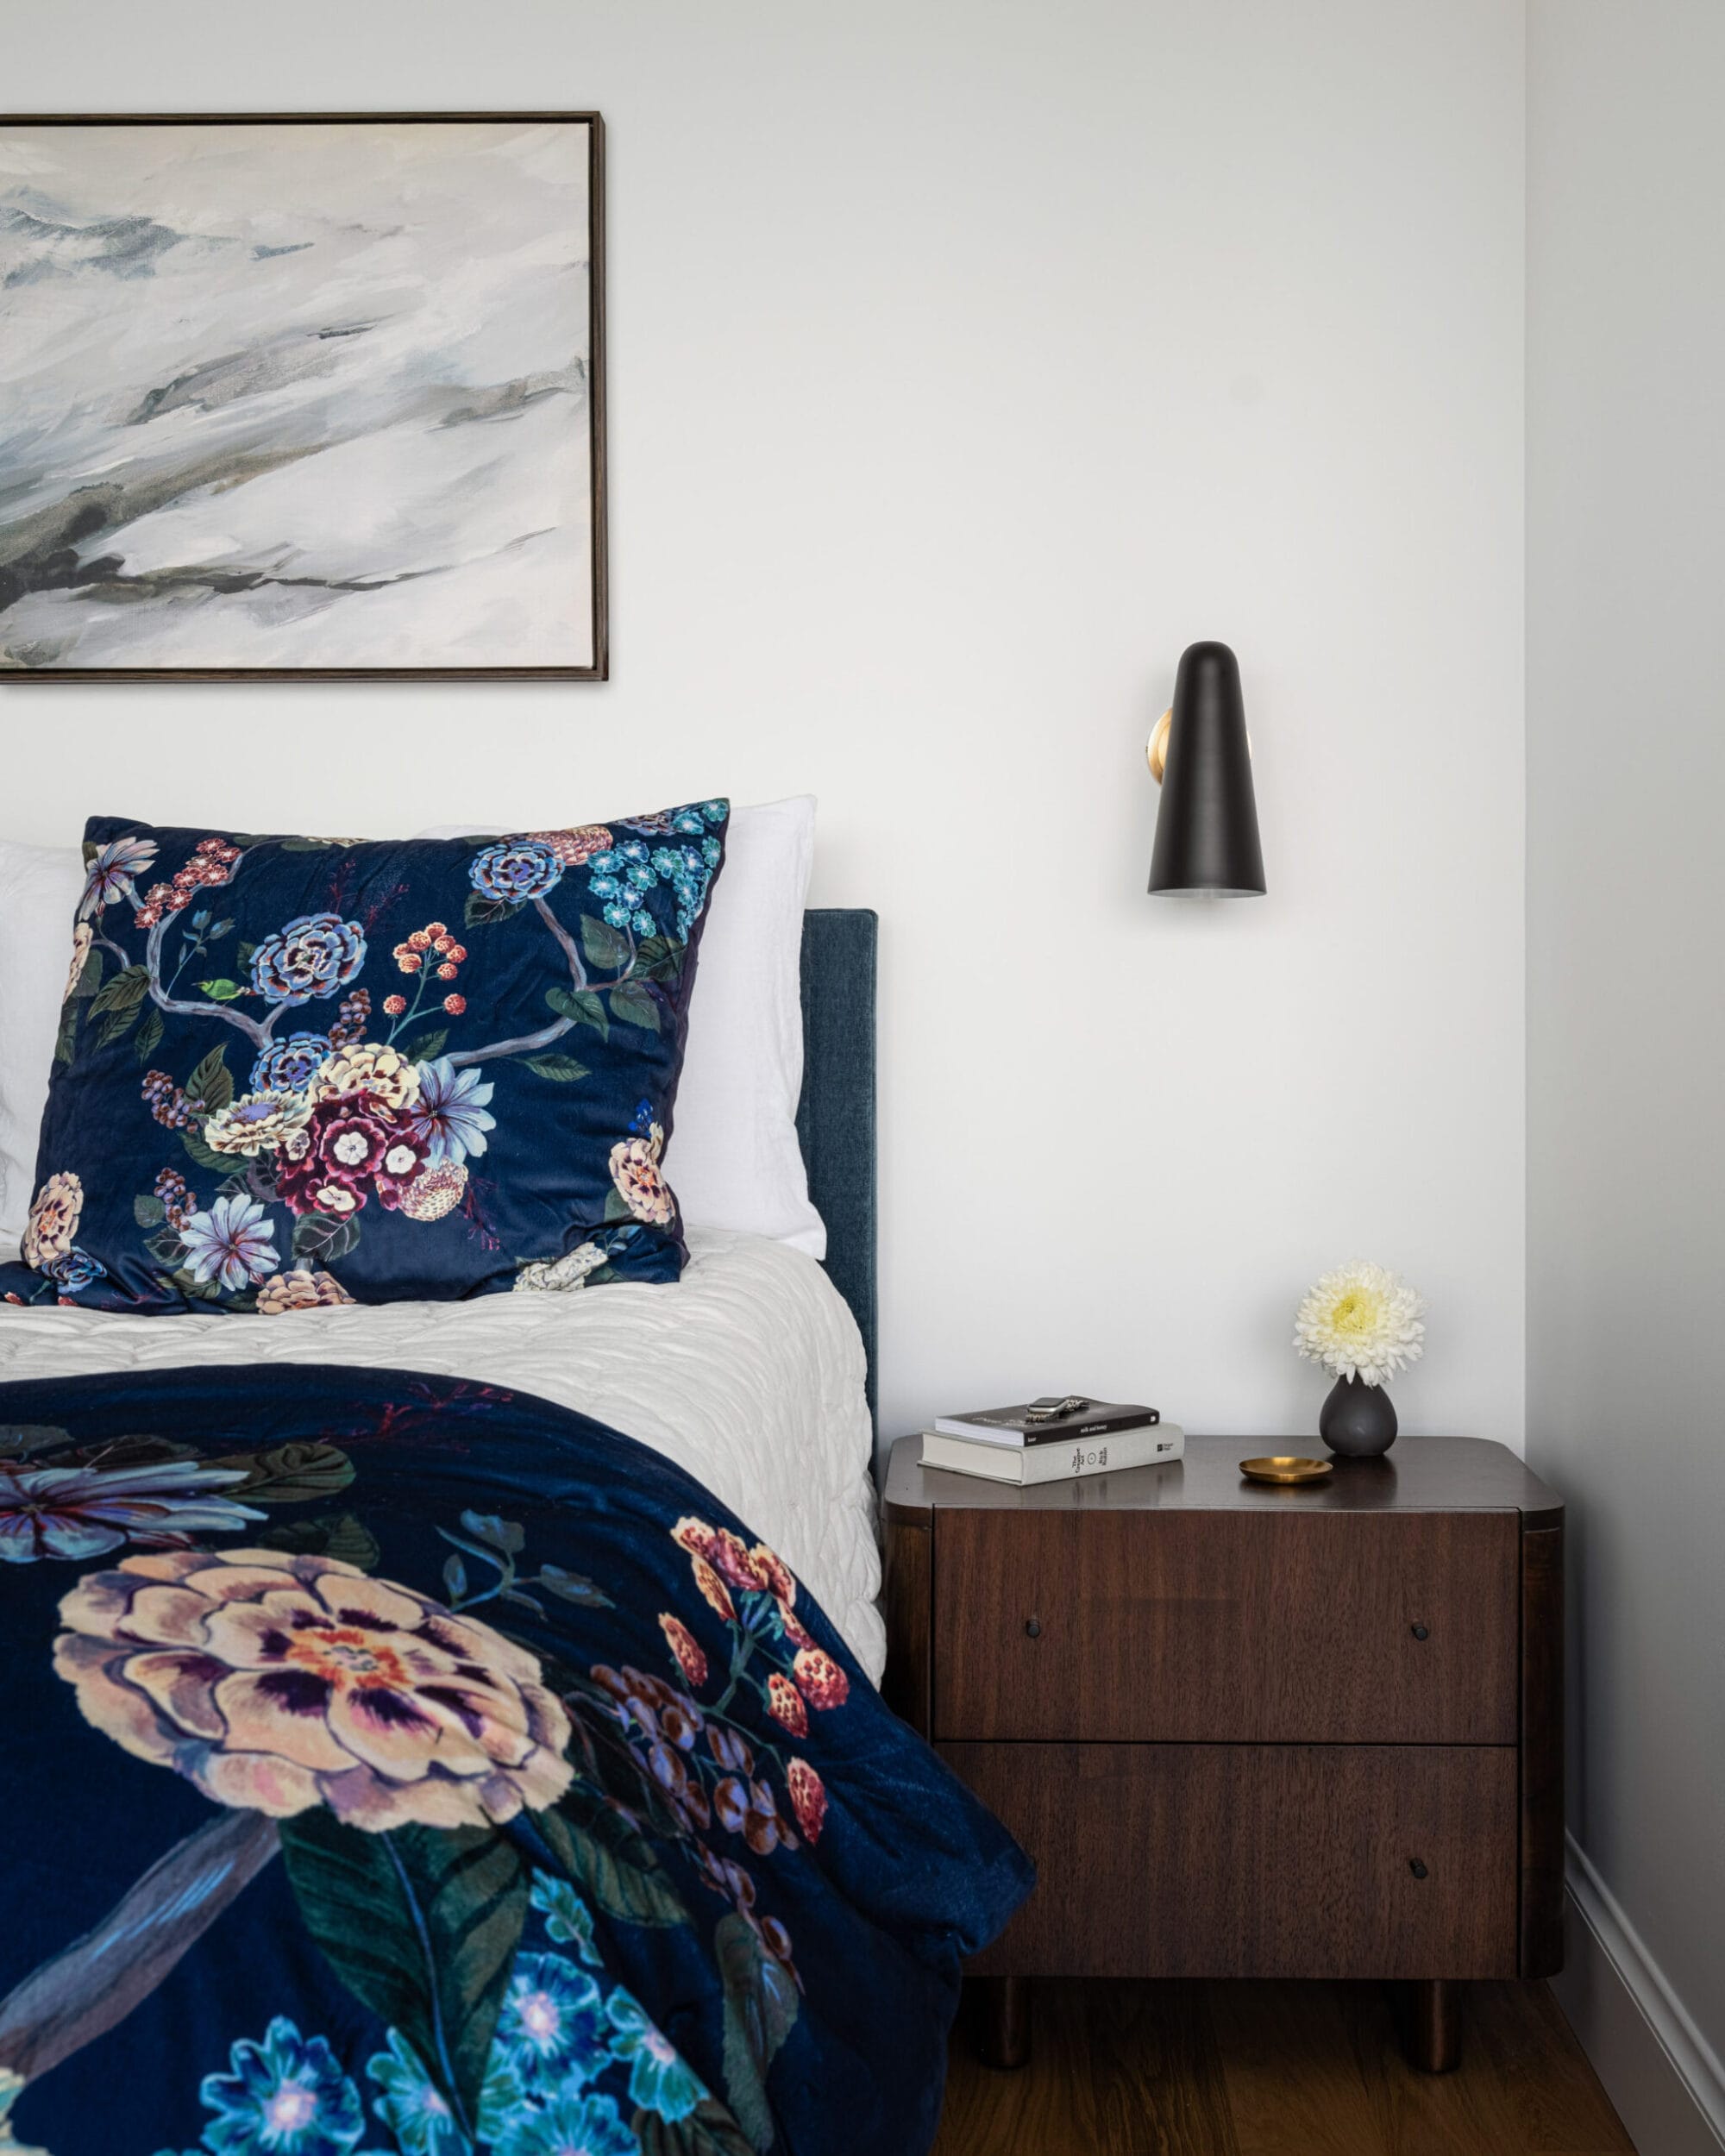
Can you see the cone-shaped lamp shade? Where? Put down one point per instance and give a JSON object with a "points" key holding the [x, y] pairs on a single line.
{"points": [[1206, 829]]}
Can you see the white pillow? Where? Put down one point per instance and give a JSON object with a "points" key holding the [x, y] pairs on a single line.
{"points": [[40, 888], [733, 1157]]}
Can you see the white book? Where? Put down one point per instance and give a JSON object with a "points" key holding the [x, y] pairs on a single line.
{"points": [[1161, 1442]]}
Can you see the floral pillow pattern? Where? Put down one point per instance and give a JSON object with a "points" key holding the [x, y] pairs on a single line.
{"points": [[294, 1072]]}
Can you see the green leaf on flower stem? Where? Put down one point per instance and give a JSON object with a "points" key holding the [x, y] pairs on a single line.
{"points": [[196, 1290], [288, 1474], [615, 1208], [90, 975], [117, 1026], [123, 991], [223, 991], [211, 1085], [563, 1069], [425, 1048], [760, 2012], [481, 912], [118, 1002], [205, 1156], [242, 956], [318, 1239], [606, 946], [612, 1863], [66, 1039], [708, 2130], [634, 1004], [659, 958], [149, 1034], [421, 1924], [18, 1439], [581, 1005], [167, 1248], [341, 1535], [148, 1211]]}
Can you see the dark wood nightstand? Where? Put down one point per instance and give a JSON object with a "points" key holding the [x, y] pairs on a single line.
{"points": [[1250, 1731]]}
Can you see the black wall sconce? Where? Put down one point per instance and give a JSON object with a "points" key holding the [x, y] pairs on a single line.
{"points": [[1206, 826]]}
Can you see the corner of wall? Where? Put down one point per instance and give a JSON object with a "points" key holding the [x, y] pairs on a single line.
{"points": [[1664, 2079]]}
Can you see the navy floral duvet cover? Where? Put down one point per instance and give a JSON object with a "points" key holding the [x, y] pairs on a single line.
{"points": [[392, 1763]]}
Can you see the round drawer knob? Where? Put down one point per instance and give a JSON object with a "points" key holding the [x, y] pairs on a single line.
{"points": [[1033, 1627], [1417, 1868], [1421, 1632]]}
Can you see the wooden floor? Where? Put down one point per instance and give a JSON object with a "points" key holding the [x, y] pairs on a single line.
{"points": [[1278, 2070]]}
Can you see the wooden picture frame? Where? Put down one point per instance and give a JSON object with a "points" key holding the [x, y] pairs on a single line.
{"points": [[386, 464]]}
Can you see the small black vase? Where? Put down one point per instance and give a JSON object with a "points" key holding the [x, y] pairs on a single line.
{"points": [[1358, 1421]]}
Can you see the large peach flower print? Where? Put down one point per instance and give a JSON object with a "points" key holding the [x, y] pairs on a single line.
{"points": [[635, 1170], [53, 1224], [277, 1682]]}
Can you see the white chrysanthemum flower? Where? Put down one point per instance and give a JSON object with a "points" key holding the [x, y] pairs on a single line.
{"points": [[1360, 1321]]}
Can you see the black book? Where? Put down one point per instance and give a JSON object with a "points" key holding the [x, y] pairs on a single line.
{"points": [[1028, 1423]]}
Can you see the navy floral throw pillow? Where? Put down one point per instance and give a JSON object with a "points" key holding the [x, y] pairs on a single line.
{"points": [[294, 1072]]}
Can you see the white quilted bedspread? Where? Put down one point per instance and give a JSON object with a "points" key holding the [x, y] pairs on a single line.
{"points": [[748, 1372]]}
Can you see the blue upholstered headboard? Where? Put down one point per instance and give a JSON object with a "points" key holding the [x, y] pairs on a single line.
{"points": [[836, 1115]]}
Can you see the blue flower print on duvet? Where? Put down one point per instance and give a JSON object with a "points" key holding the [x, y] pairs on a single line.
{"points": [[556, 2039], [552, 2026], [286, 2096], [659, 2077], [572, 2124], [412, 2106]]}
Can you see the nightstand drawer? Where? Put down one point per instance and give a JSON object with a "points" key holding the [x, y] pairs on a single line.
{"points": [[1279, 1860], [1299, 1626]]}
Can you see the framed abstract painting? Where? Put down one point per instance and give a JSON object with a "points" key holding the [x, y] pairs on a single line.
{"points": [[300, 396]]}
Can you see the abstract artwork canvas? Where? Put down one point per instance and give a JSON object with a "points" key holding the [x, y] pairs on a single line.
{"points": [[299, 396]]}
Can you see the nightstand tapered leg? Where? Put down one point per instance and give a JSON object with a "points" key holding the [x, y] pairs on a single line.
{"points": [[1434, 2025], [1003, 2035]]}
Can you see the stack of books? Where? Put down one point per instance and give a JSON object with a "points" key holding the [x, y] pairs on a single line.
{"points": [[1046, 1440]]}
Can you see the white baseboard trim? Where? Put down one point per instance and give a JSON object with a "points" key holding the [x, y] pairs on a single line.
{"points": [[1659, 2070]]}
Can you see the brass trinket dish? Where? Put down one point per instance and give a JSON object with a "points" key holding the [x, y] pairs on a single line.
{"points": [[1285, 1468]]}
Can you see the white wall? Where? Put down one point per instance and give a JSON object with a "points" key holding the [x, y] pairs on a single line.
{"points": [[967, 360], [1626, 874]]}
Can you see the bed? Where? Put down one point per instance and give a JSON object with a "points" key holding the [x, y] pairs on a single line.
{"points": [[314, 1858]]}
